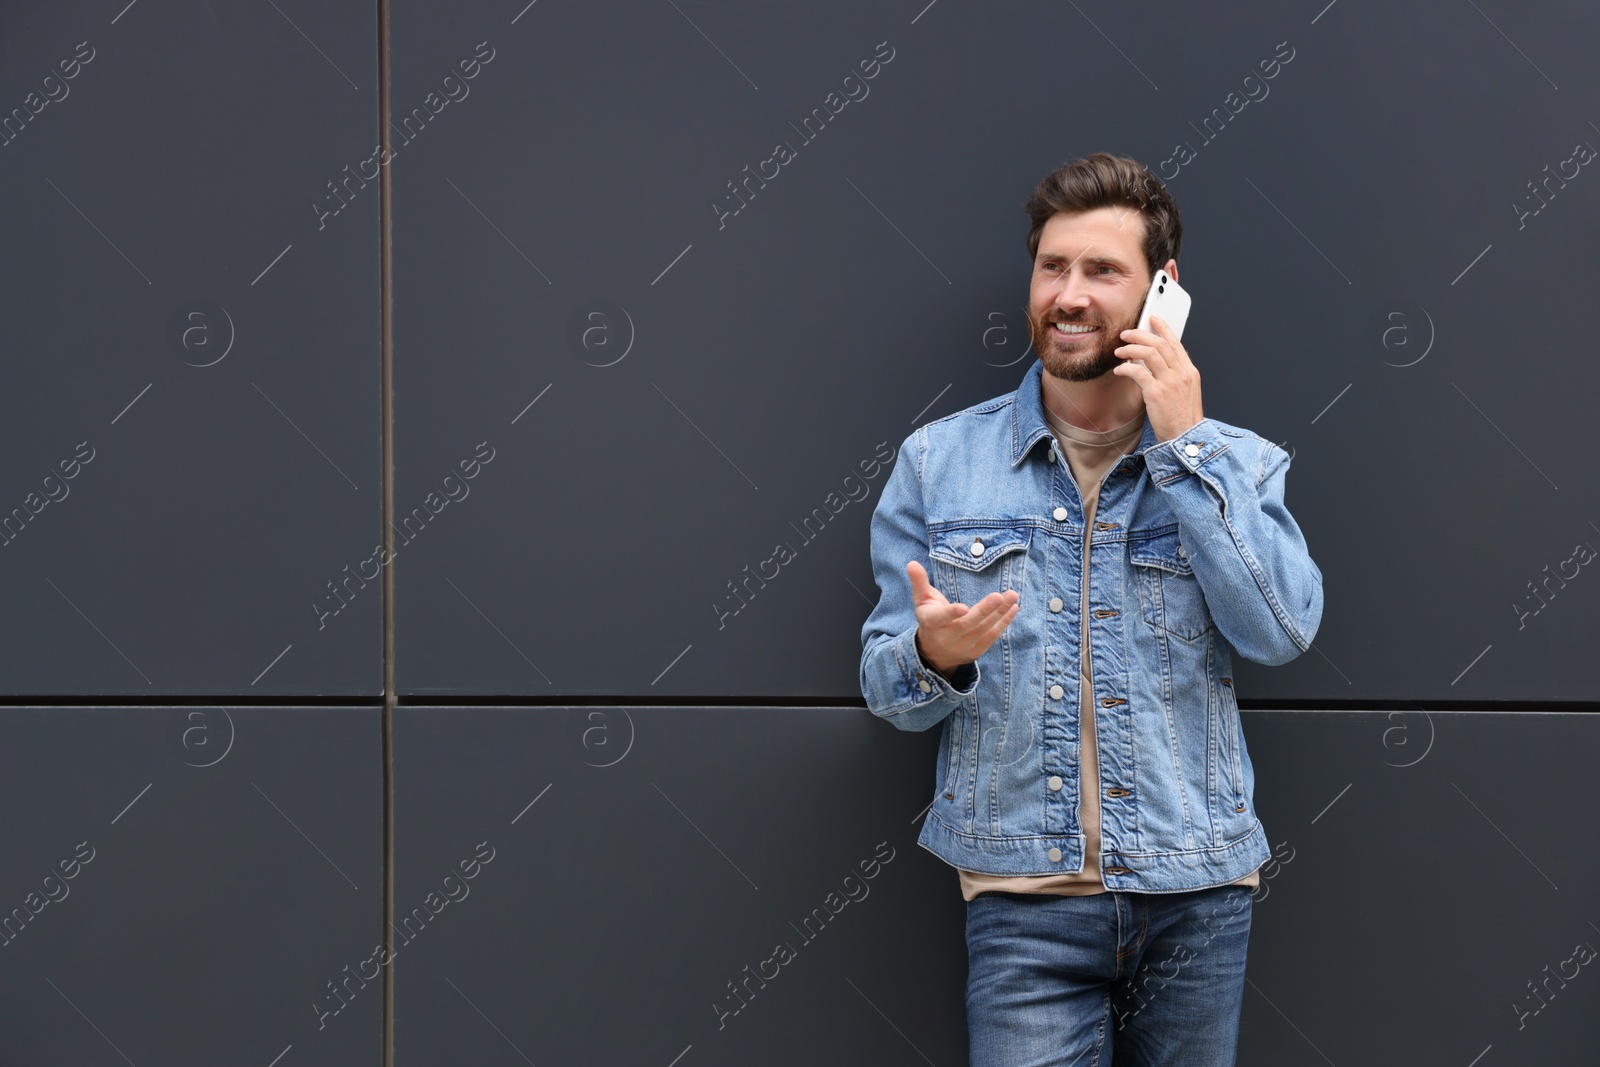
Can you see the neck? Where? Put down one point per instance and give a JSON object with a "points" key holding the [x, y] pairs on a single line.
{"points": [[1100, 405]]}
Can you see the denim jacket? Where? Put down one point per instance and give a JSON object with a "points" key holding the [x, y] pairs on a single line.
{"points": [[1193, 556]]}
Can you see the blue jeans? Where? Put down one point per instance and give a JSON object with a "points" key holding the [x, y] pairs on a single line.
{"points": [[1057, 981]]}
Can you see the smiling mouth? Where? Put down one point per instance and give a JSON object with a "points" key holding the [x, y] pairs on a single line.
{"points": [[1072, 329]]}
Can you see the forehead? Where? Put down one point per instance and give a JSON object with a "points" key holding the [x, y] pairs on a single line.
{"points": [[1116, 232]]}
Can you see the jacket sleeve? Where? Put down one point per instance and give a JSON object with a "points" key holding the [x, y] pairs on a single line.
{"points": [[897, 684], [1248, 554]]}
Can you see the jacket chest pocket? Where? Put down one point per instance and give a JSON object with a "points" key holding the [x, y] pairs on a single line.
{"points": [[972, 560], [1169, 593]]}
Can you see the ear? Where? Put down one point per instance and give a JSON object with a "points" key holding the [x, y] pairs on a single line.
{"points": [[1172, 269]]}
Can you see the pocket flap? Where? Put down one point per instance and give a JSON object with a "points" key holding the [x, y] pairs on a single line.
{"points": [[1164, 550], [973, 547]]}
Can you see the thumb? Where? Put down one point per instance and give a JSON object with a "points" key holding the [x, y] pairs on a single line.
{"points": [[921, 589]]}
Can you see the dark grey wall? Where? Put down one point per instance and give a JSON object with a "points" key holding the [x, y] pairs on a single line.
{"points": [[1426, 868], [202, 357], [1363, 295], [614, 387], [182, 883]]}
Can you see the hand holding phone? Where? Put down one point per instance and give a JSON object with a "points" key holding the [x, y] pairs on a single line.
{"points": [[1167, 299], [1172, 397]]}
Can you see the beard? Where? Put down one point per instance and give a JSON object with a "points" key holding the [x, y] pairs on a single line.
{"points": [[1078, 360]]}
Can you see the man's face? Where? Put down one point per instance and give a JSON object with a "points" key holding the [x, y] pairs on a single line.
{"points": [[1089, 276]]}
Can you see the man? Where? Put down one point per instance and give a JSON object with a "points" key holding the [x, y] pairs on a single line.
{"points": [[1065, 573]]}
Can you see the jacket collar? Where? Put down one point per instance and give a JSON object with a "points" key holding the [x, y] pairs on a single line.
{"points": [[1028, 424]]}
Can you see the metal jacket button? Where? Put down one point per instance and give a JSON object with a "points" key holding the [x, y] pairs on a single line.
{"points": [[1055, 603], [1055, 783], [1060, 514], [1055, 692], [1055, 855], [977, 548], [1182, 553], [926, 688], [1193, 450]]}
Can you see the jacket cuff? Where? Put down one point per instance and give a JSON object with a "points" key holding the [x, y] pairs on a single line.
{"points": [[1184, 454], [926, 684]]}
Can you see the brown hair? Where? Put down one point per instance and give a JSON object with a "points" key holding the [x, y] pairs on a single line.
{"points": [[1104, 180]]}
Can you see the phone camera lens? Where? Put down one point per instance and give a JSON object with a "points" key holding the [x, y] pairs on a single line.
{"points": [[1161, 289]]}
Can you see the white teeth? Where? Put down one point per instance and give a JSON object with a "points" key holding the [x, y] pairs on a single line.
{"points": [[1063, 327]]}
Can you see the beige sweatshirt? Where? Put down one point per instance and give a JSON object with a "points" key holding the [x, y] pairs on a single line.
{"points": [[1090, 454]]}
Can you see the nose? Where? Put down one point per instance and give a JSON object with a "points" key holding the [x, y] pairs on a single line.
{"points": [[1072, 294]]}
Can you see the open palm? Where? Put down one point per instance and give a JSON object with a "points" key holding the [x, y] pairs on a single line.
{"points": [[951, 635]]}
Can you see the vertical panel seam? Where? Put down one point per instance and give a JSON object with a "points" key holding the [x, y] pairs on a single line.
{"points": [[386, 392]]}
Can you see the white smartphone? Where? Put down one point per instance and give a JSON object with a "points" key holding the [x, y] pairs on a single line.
{"points": [[1167, 299]]}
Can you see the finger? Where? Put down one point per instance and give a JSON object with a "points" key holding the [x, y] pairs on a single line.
{"points": [[921, 588], [1136, 370], [919, 581], [986, 611], [1143, 346], [973, 633], [1160, 332], [997, 601], [1176, 354], [1002, 620], [1162, 329]]}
